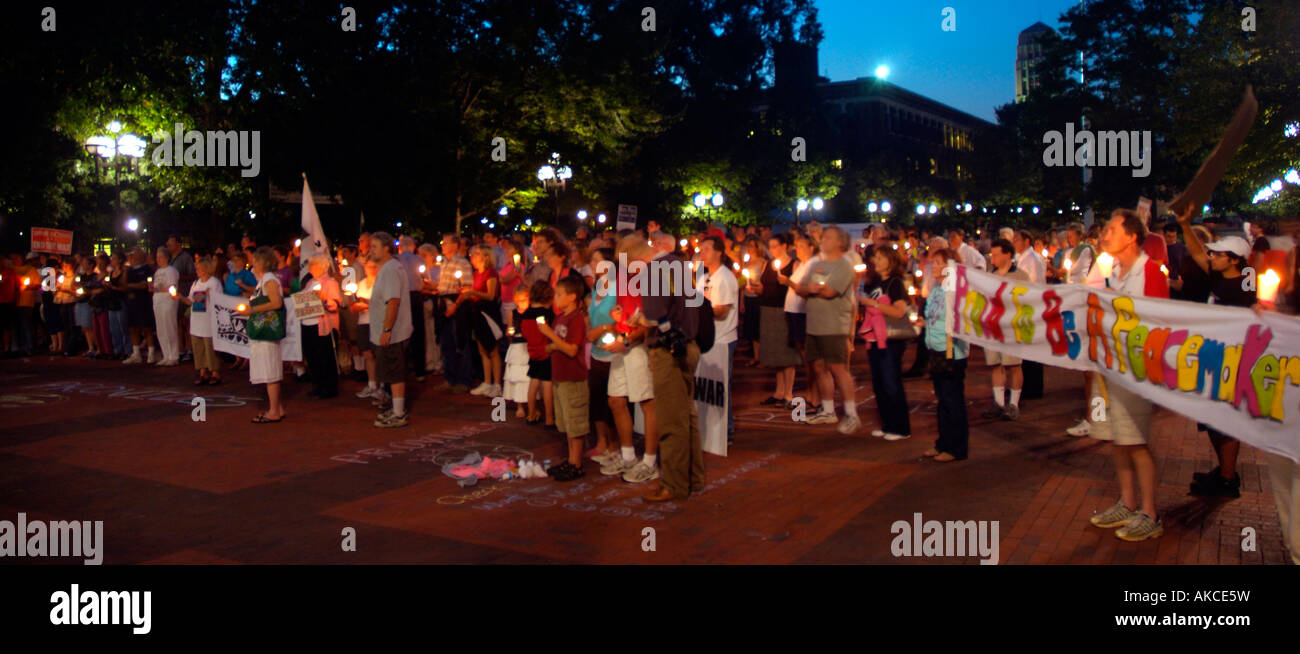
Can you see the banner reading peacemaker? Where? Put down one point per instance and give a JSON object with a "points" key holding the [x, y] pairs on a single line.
{"points": [[1223, 366]]}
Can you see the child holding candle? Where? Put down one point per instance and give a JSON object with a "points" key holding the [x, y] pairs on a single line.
{"points": [[205, 357], [516, 375], [539, 361], [564, 344]]}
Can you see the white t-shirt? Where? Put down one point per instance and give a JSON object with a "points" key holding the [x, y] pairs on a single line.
{"points": [[363, 293], [203, 291], [391, 284], [1033, 265], [721, 288], [164, 277], [795, 303]]}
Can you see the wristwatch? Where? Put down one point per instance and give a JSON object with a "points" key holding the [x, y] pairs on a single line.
{"points": [[390, 329]]}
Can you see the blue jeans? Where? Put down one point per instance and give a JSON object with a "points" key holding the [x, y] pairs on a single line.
{"points": [[950, 390], [887, 382], [121, 333], [456, 368]]}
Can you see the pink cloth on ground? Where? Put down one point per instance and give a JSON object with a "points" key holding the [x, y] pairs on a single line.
{"points": [[873, 326], [488, 467]]}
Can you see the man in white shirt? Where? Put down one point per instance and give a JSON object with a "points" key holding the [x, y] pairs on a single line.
{"points": [[1027, 259], [965, 253], [718, 283]]}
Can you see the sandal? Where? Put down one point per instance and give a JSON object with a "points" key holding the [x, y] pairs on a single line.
{"points": [[262, 419]]}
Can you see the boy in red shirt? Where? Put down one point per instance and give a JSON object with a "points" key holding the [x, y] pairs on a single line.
{"points": [[569, 374]]}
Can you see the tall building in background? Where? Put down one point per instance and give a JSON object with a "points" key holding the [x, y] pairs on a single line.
{"points": [[1029, 53]]}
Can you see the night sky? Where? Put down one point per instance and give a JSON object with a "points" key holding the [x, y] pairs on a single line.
{"points": [[972, 69]]}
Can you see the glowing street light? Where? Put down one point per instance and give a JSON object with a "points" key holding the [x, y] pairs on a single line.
{"points": [[132, 224], [700, 200], [934, 208], [871, 207], [886, 207], [582, 214], [503, 211], [920, 209], [817, 204]]}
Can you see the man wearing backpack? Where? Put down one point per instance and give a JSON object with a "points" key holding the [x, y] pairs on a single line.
{"points": [[718, 284], [674, 353]]}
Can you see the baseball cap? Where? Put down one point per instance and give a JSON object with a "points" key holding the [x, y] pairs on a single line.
{"points": [[1233, 244]]}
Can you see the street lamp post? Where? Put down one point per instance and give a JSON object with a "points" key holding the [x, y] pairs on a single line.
{"points": [[128, 146], [708, 202], [554, 177], [804, 204]]}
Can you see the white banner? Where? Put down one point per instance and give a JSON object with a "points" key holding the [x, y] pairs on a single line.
{"points": [[228, 333], [711, 398], [1223, 366]]}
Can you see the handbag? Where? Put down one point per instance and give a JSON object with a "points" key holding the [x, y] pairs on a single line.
{"points": [[267, 325], [900, 329]]}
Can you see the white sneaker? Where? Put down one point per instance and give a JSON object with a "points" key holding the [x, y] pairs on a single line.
{"points": [[134, 358], [494, 391], [877, 433], [606, 457], [849, 425], [481, 389], [1082, 429], [822, 417], [617, 466], [896, 437], [640, 472], [366, 393]]}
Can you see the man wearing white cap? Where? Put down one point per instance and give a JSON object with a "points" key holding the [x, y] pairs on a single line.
{"points": [[1223, 260]]}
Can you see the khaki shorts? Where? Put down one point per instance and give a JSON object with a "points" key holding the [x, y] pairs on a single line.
{"points": [[390, 363], [831, 349], [1128, 418], [995, 358], [629, 375], [571, 398]]}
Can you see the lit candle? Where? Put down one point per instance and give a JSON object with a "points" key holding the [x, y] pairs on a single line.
{"points": [[911, 290], [682, 242], [917, 272], [1268, 283], [697, 250], [1067, 264], [1164, 270], [81, 291], [745, 272], [171, 290], [907, 245], [26, 281], [421, 269], [351, 288], [242, 307], [77, 279], [608, 338], [510, 331], [516, 259], [1044, 253], [61, 277], [459, 274], [297, 242], [541, 320], [439, 259], [345, 262], [315, 287], [746, 257], [895, 246], [776, 264], [1105, 262], [862, 267], [736, 266], [150, 280]]}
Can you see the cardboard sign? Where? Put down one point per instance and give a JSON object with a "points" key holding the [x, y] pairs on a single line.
{"points": [[55, 241], [307, 304], [627, 216]]}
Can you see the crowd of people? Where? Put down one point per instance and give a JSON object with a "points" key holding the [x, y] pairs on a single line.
{"points": [[539, 319]]}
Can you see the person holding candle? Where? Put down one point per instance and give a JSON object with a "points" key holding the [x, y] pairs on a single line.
{"points": [[511, 275], [948, 358], [753, 264], [1223, 262], [319, 332], [515, 385], [416, 269], [360, 307], [264, 363], [165, 281], [482, 302], [453, 328], [775, 351], [718, 283], [118, 322], [29, 292], [1128, 415], [602, 334], [539, 362], [65, 301], [796, 309], [427, 306], [201, 327], [99, 307], [139, 307]]}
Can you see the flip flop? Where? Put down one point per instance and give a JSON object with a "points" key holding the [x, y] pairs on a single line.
{"points": [[262, 419]]}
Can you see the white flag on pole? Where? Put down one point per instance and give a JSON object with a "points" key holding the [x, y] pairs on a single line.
{"points": [[315, 242]]}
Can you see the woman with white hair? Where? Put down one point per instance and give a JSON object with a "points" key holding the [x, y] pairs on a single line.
{"points": [[164, 284], [264, 363], [319, 332]]}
